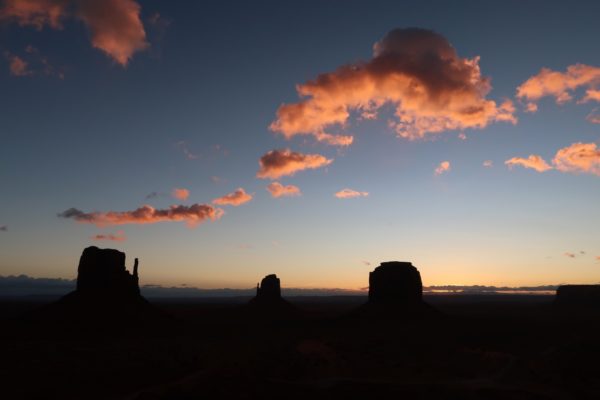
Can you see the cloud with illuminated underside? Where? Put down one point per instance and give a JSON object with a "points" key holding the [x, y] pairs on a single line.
{"points": [[350, 194], [115, 25], [577, 158], [561, 85], [278, 190], [192, 215], [236, 198], [417, 71], [278, 163]]}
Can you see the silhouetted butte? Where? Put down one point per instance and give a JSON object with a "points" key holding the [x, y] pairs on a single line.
{"points": [[268, 297]]}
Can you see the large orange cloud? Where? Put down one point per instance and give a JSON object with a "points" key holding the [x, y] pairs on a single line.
{"points": [[236, 198], [278, 163], [560, 85], [115, 25], [578, 158], [278, 190], [533, 161], [192, 215], [415, 70]]}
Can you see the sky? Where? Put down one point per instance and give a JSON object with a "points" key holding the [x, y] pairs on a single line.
{"points": [[221, 141]]}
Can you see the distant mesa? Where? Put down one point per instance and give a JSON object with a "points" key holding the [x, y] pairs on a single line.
{"points": [[578, 298], [396, 290], [395, 282], [269, 289], [106, 292], [103, 271], [268, 296]]}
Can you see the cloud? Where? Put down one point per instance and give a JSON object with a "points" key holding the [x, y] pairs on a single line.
{"points": [[278, 190], [462, 136], [153, 195], [442, 168], [560, 85], [180, 194], [115, 25], [349, 194], [578, 158], [192, 215], [118, 237], [278, 163], [18, 66], [533, 161], [597, 258], [3, 228], [488, 163], [236, 198], [417, 71], [570, 255], [36, 13], [186, 151], [594, 116]]}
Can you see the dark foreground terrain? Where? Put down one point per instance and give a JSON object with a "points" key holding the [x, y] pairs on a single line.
{"points": [[478, 347]]}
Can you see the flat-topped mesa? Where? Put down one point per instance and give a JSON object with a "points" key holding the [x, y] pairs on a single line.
{"points": [[395, 282], [103, 271], [578, 297], [269, 289]]}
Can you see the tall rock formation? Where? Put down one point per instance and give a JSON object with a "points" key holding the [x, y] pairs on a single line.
{"points": [[268, 301], [103, 271], [395, 282]]}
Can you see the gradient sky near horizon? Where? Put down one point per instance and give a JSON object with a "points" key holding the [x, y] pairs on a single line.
{"points": [[107, 107]]}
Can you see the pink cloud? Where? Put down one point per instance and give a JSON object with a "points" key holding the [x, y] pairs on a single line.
{"points": [[570, 255], [462, 136], [594, 117], [578, 158], [278, 163], [236, 198], [560, 85], [488, 163], [533, 161], [591, 95], [278, 190], [349, 194], [36, 13], [118, 237], [417, 71], [443, 167], [180, 194], [192, 215], [115, 25], [18, 66]]}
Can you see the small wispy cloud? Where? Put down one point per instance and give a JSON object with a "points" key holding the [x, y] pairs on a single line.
{"points": [[236, 198], [278, 190], [570, 255], [180, 194], [488, 163], [350, 193], [117, 237], [3, 228], [442, 168]]}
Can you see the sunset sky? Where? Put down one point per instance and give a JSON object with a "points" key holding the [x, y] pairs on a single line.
{"points": [[222, 141]]}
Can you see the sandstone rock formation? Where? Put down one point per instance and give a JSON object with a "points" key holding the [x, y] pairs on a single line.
{"points": [[395, 282], [269, 289], [578, 297], [103, 271], [107, 295]]}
